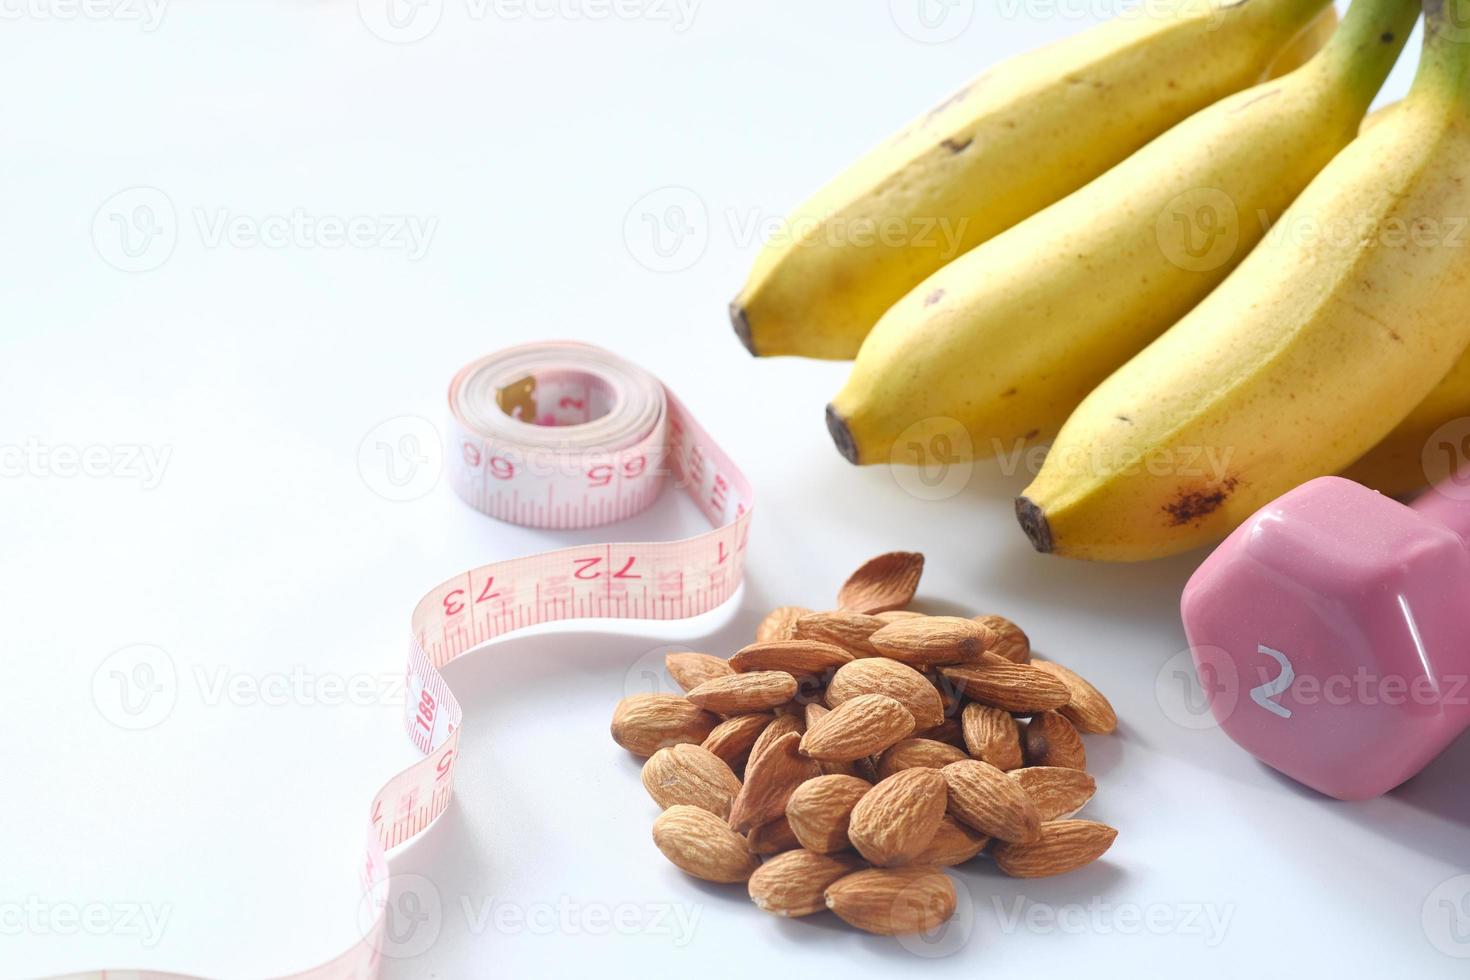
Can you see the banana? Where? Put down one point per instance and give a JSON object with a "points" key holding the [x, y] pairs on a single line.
{"points": [[995, 350], [1023, 135], [1324, 339], [1432, 442], [1305, 45]]}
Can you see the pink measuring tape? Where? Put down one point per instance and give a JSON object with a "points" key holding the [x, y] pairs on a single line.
{"points": [[556, 435]]}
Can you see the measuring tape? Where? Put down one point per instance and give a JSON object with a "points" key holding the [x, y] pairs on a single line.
{"points": [[553, 435]]}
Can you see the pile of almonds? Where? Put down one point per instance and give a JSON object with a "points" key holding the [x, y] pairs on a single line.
{"points": [[859, 751]]}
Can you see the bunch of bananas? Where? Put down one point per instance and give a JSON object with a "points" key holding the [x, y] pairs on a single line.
{"points": [[1200, 290]]}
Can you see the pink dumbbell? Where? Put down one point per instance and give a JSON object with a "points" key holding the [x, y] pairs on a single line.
{"points": [[1331, 633]]}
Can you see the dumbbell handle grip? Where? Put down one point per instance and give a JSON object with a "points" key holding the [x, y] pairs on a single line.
{"points": [[1448, 503]]}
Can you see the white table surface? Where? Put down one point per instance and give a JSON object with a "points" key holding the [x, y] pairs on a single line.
{"points": [[230, 376]]}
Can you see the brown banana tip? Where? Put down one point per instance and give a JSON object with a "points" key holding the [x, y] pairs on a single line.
{"points": [[842, 435], [741, 323], [1034, 523]]}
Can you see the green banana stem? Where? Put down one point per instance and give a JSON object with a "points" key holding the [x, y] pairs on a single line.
{"points": [[1444, 71], [1368, 43]]}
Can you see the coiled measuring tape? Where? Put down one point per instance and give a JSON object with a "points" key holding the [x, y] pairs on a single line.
{"points": [[553, 435]]}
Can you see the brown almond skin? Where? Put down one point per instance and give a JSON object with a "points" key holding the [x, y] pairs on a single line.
{"points": [[1007, 640], [780, 725], [950, 732], [917, 753], [863, 726], [992, 735], [1057, 792], [931, 641], [645, 723], [893, 901], [895, 820], [1011, 687], [733, 738], [689, 669], [982, 797], [795, 883], [797, 657], [741, 694], [878, 675], [886, 582], [1088, 710], [894, 615], [780, 624], [1050, 740], [953, 844], [820, 811], [692, 775], [770, 779], [701, 844], [772, 837], [1062, 846], [848, 630]]}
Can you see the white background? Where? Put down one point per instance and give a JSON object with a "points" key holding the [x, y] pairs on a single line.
{"points": [[263, 564]]}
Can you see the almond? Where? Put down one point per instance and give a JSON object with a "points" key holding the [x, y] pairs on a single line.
{"points": [[700, 844], [780, 725], [893, 901], [772, 837], [795, 883], [930, 641], [883, 583], [981, 796], [690, 775], [1010, 687], [1088, 710], [1007, 640], [689, 670], [741, 694], [865, 725], [950, 732], [917, 753], [733, 738], [645, 723], [877, 675], [895, 820], [821, 809], [953, 844], [893, 615], [992, 735], [780, 624], [1064, 845], [863, 769], [795, 657], [770, 779], [813, 713], [848, 630], [1051, 740], [1058, 793]]}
